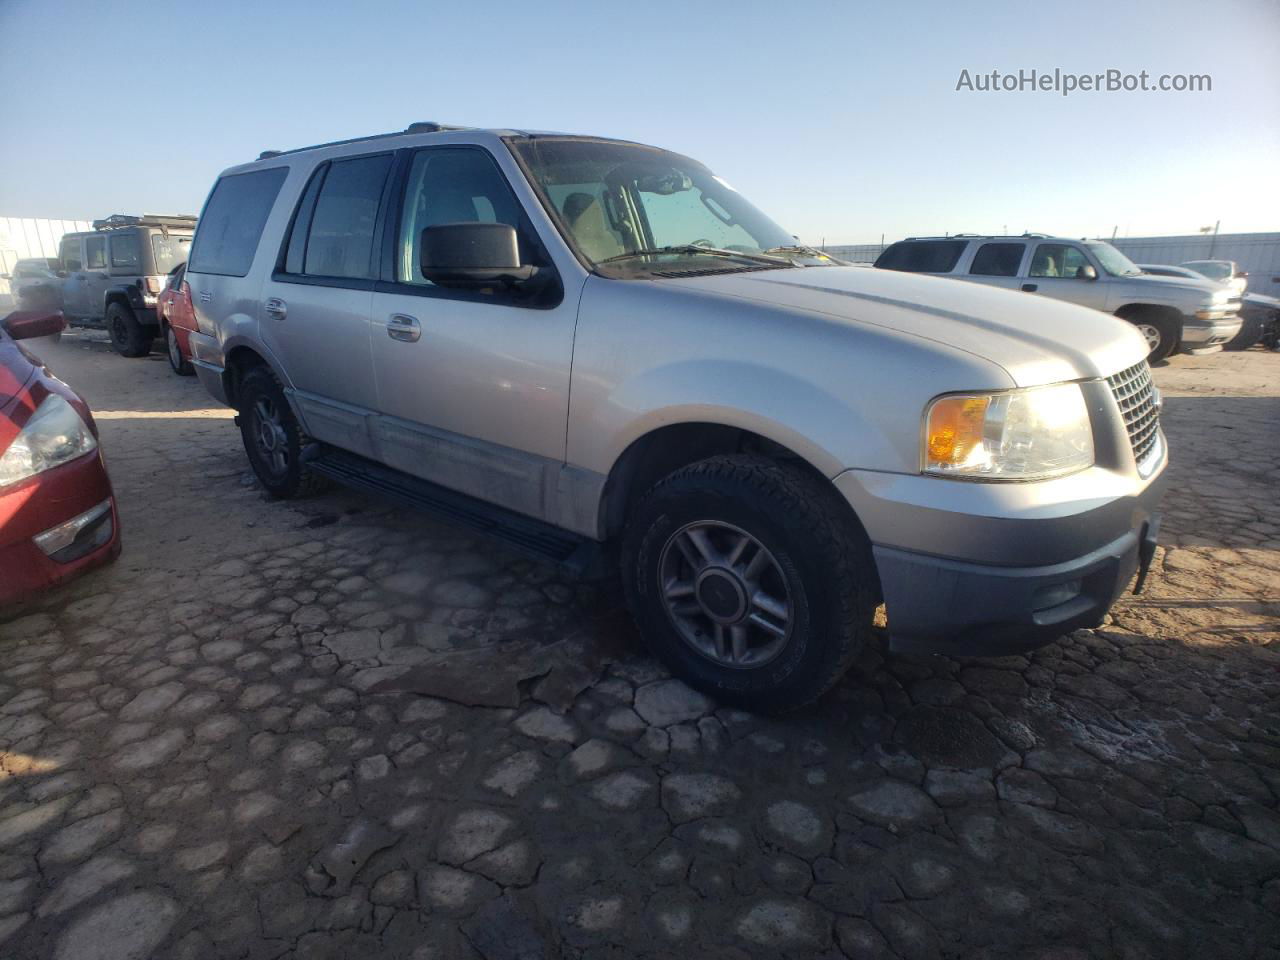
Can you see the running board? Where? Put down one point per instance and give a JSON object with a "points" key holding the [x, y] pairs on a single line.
{"points": [[580, 556]]}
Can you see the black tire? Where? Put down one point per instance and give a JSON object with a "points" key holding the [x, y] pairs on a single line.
{"points": [[817, 549], [285, 477], [1251, 330], [128, 337], [177, 363], [1162, 332]]}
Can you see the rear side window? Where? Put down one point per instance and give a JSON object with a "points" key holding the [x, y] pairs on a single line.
{"points": [[69, 254], [339, 237], [125, 251], [922, 256], [95, 253], [231, 224], [997, 260]]}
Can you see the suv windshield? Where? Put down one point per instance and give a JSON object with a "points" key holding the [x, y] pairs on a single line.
{"points": [[1213, 269], [633, 207], [169, 251], [1112, 260]]}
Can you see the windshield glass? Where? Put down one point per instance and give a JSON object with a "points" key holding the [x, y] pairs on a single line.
{"points": [[1213, 269], [624, 203], [169, 251], [1112, 260]]}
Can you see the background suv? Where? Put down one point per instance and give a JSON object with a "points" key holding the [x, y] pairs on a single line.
{"points": [[601, 351], [1170, 312], [114, 273]]}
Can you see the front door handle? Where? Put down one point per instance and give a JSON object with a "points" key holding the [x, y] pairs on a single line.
{"points": [[405, 328], [1030, 287], [276, 308]]}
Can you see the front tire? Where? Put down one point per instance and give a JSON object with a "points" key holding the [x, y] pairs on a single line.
{"points": [[128, 337], [1161, 333], [751, 580], [273, 438], [177, 363]]}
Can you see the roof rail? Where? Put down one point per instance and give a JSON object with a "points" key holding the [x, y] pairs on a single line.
{"points": [[119, 220], [419, 126]]}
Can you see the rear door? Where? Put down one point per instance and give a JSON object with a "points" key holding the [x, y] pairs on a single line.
{"points": [[1057, 270], [997, 263], [316, 303]]}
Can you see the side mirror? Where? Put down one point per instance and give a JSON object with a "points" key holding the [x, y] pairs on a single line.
{"points": [[1242, 275], [26, 324], [471, 255], [1086, 272]]}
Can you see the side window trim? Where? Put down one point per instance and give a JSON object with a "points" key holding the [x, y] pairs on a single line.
{"points": [[302, 219], [388, 275]]}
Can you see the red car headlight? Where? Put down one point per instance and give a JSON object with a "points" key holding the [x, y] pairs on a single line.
{"points": [[54, 435]]}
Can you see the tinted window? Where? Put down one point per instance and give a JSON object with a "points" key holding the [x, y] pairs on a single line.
{"points": [[125, 251], [452, 186], [169, 251], [997, 260], [95, 253], [231, 225], [922, 256], [297, 249], [175, 277], [1058, 260], [69, 254], [340, 239]]}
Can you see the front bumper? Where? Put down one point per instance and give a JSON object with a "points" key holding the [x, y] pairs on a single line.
{"points": [[994, 569], [1203, 335], [41, 504]]}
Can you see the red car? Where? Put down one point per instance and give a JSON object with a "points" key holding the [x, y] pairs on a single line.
{"points": [[58, 515], [177, 320]]}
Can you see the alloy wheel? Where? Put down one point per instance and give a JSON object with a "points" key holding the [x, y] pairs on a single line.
{"points": [[725, 594], [175, 354], [269, 435], [1152, 335]]}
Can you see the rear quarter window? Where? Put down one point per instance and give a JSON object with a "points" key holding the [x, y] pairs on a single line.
{"points": [[922, 256], [231, 225]]}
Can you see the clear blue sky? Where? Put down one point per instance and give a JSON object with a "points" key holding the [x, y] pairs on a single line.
{"points": [[840, 119]]}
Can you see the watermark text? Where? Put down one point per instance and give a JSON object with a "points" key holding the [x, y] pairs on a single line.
{"points": [[1066, 83]]}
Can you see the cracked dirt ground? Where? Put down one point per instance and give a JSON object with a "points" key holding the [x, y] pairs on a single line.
{"points": [[220, 746]]}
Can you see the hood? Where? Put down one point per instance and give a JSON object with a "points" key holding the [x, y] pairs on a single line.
{"points": [[1182, 284], [1036, 340]]}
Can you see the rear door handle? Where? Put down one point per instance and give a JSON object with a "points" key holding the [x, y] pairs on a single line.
{"points": [[404, 328], [1030, 287], [276, 308]]}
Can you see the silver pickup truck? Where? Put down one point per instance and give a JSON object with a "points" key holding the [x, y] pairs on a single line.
{"points": [[604, 353], [1172, 313]]}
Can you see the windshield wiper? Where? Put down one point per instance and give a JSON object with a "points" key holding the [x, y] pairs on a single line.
{"points": [[800, 250], [697, 248]]}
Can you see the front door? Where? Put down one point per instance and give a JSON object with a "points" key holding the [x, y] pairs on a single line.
{"points": [[315, 308], [71, 262], [473, 386], [1058, 270], [96, 279]]}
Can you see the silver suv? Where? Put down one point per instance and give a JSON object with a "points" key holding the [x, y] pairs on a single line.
{"points": [[1171, 313], [604, 353]]}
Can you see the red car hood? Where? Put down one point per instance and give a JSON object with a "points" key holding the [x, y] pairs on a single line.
{"points": [[16, 373]]}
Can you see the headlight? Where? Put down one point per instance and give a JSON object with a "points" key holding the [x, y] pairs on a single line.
{"points": [[1026, 434], [1222, 296], [54, 434]]}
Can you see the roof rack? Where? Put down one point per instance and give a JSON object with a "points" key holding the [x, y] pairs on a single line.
{"points": [[118, 220], [419, 126]]}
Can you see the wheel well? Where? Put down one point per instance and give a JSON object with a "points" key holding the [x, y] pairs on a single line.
{"points": [[667, 449], [239, 362], [1152, 311], [116, 296]]}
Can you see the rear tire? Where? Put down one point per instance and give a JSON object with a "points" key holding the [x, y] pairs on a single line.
{"points": [[128, 337], [273, 438], [177, 363], [772, 640]]}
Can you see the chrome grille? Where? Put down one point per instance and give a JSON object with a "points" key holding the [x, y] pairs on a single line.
{"points": [[1136, 399]]}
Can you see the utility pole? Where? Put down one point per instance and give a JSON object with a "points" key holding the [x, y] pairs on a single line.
{"points": [[1213, 241]]}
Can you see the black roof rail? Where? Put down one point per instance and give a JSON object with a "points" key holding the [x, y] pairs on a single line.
{"points": [[420, 126], [118, 220]]}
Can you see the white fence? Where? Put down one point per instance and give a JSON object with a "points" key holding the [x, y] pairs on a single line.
{"points": [[23, 237], [1258, 254]]}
